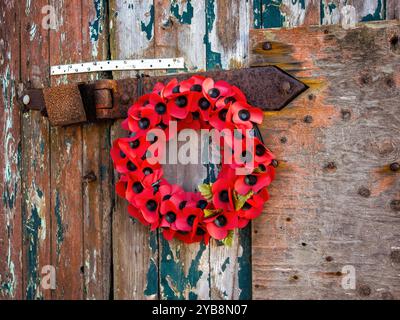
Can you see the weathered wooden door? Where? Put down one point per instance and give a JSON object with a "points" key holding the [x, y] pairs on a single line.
{"points": [[334, 206]]}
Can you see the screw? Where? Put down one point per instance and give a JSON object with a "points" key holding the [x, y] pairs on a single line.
{"points": [[286, 86], [26, 99], [395, 166], [267, 45], [364, 192], [308, 119]]}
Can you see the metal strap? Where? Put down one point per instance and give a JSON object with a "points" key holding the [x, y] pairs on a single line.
{"points": [[121, 65]]}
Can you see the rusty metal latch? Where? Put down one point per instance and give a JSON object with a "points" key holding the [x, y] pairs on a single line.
{"points": [[268, 88]]}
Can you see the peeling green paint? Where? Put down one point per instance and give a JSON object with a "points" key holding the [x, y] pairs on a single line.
{"points": [[96, 25], [271, 14], [152, 280], [379, 14], [60, 227], [32, 234], [244, 261], [213, 59], [257, 17], [186, 16], [225, 264], [173, 281], [148, 28]]}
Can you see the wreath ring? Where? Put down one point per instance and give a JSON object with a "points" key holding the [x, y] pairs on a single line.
{"points": [[218, 208]]}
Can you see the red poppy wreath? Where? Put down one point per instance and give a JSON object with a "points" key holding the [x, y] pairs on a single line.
{"points": [[218, 208]]}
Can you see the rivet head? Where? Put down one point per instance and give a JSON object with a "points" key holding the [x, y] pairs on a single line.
{"points": [[364, 192], [286, 86], [395, 166], [267, 45], [26, 99]]}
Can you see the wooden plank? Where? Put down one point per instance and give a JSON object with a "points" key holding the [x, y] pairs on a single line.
{"points": [[289, 13], [184, 269], [334, 202], [392, 9], [135, 250], [227, 48], [11, 281], [348, 12], [35, 154], [97, 168]]}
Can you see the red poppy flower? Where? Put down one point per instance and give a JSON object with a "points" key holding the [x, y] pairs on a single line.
{"points": [[123, 163], [221, 119], [189, 217], [235, 95], [244, 115], [215, 90], [158, 88], [179, 105], [142, 120], [219, 225], [167, 191], [254, 206], [169, 213], [171, 89], [149, 204], [198, 234], [121, 185], [137, 214], [134, 147], [261, 153], [193, 84], [159, 106], [222, 189], [252, 182], [135, 186], [168, 233]]}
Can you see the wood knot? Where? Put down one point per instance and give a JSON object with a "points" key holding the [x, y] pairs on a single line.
{"points": [[329, 258], [364, 192], [283, 140], [395, 44], [330, 166], [90, 177], [395, 255], [364, 290], [308, 119], [267, 45], [346, 115]]}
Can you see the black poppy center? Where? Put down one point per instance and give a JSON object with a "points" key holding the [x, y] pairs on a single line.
{"points": [[182, 205], [246, 206], [260, 150], [213, 93], [246, 156], [170, 217], [131, 166], [176, 89], [262, 167], [144, 123], [151, 205], [244, 115], [195, 115], [224, 196], [250, 180], [200, 232], [190, 219], [147, 171], [229, 99], [220, 221], [222, 114], [160, 108], [134, 144], [181, 101], [167, 197], [122, 154], [202, 204], [196, 87], [204, 104], [137, 187]]}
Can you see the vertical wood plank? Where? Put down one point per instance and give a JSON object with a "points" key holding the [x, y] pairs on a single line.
{"points": [[35, 153], [392, 9], [179, 31], [135, 249], [230, 268], [289, 13], [336, 11], [96, 166], [11, 281]]}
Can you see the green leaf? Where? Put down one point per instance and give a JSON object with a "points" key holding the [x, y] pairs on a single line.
{"points": [[205, 190], [228, 241], [240, 200], [208, 213], [257, 170]]}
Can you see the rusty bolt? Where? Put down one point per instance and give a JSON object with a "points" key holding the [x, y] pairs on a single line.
{"points": [[308, 119], [124, 99], [90, 177], [395, 166], [283, 140], [364, 192], [267, 45], [364, 290]]}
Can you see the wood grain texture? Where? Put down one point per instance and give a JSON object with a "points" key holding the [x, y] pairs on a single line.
{"points": [[35, 154], [392, 9], [135, 249], [347, 12], [289, 13], [11, 281], [335, 201]]}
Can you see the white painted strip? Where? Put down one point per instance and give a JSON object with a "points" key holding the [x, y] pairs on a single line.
{"points": [[115, 65]]}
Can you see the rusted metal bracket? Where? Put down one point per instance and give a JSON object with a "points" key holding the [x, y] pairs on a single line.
{"points": [[268, 88]]}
